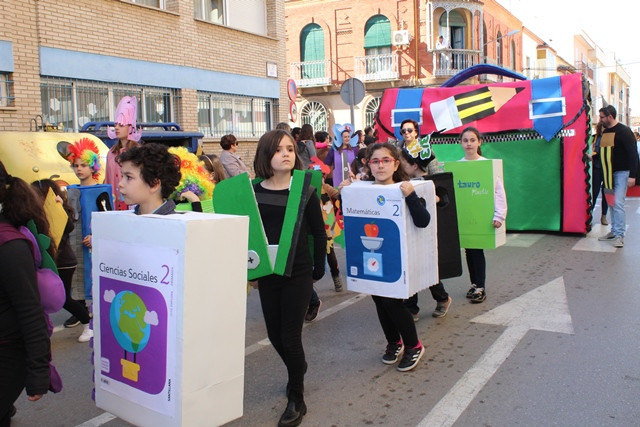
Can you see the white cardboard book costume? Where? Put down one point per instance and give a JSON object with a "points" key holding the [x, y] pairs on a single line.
{"points": [[166, 298], [387, 255]]}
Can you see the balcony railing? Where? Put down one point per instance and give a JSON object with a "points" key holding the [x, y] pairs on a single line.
{"points": [[311, 73], [376, 67], [448, 62]]}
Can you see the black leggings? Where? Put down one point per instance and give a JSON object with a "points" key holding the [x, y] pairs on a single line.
{"points": [[284, 304], [75, 307], [396, 321], [13, 373], [477, 266]]}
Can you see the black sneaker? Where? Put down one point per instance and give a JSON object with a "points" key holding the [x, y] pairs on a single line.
{"points": [[312, 312], [478, 296], [392, 353], [410, 358], [71, 322], [471, 290]]}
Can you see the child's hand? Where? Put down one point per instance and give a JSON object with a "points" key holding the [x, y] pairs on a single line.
{"points": [[407, 188], [497, 224], [190, 196], [344, 183], [87, 240]]}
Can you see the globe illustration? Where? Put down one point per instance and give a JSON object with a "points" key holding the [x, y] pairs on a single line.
{"points": [[127, 321]]}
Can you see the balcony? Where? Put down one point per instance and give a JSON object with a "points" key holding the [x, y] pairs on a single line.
{"points": [[311, 73], [373, 68], [448, 62]]}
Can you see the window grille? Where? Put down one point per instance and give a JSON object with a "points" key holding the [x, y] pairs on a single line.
{"points": [[243, 116]]}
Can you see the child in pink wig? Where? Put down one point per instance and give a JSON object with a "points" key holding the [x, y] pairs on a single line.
{"points": [[128, 136]]}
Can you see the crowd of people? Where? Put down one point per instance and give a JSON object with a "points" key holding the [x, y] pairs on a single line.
{"points": [[144, 178]]}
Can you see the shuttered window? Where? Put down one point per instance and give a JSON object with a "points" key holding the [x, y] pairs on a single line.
{"points": [[377, 32]]}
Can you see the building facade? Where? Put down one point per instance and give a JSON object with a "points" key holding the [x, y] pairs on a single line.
{"points": [[212, 66], [389, 43]]}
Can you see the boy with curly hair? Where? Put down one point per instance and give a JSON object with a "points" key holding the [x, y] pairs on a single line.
{"points": [[150, 175]]}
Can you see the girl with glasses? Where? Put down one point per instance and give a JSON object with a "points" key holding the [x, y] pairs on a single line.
{"points": [[396, 321]]}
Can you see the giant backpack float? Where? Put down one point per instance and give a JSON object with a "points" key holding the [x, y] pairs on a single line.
{"points": [[539, 128]]}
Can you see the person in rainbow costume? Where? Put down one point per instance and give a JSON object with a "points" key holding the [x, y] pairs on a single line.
{"points": [[195, 185]]}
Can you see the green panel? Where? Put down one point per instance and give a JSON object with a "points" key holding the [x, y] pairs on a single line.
{"points": [[473, 184], [532, 179], [377, 32], [234, 196]]}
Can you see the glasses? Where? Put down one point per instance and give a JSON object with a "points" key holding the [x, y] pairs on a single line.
{"points": [[382, 161], [406, 130]]}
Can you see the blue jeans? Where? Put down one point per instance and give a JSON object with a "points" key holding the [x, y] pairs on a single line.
{"points": [[618, 220]]}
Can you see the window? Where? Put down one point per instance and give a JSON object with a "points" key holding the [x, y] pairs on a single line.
{"points": [[315, 114], [243, 116], [377, 41], [155, 3], [312, 51], [499, 48], [76, 102], [377, 33], [512, 55], [370, 111], [6, 90], [209, 10]]}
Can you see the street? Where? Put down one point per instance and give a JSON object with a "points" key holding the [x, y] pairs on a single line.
{"points": [[554, 344]]}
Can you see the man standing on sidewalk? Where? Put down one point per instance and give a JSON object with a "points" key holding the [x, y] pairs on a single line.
{"points": [[623, 165]]}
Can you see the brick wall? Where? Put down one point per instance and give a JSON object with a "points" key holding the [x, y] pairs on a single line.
{"points": [[121, 28], [17, 26]]}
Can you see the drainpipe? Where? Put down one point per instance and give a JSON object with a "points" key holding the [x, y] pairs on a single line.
{"points": [[416, 28]]}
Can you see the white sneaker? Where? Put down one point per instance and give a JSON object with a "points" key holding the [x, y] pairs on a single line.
{"points": [[87, 334], [608, 236], [618, 242]]}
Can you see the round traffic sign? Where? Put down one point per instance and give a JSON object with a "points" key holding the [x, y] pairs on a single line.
{"points": [[352, 91], [293, 111], [292, 89]]}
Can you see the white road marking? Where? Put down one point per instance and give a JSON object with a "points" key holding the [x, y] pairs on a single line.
{"points": [[590, 243], [544, 308], [103, 418], [522, 240]]}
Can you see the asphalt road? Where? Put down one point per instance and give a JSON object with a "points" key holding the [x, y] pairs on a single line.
{"points": [[554, 344]]}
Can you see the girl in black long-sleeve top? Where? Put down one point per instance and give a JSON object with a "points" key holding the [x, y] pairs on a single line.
{"points": [[284, 300], [383, 161]]}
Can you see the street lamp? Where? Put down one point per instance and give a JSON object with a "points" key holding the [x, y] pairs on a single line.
{"points": [[509, 34]]}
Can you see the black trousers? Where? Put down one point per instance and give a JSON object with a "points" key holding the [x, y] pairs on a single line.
{"points": [[438, 293], [76, 308], [477, 266], [284, 304], [13, 373], [396, 321], [596, 185]]}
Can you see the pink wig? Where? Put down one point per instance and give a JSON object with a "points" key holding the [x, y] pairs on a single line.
{"points": [[126, 114]]}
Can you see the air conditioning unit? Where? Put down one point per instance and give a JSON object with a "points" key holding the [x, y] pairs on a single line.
{"points": [[400, 38]]}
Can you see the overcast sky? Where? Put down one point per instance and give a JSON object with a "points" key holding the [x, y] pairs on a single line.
{"points": [[612, 25]]}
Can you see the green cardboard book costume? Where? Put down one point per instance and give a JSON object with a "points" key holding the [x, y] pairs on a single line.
{"points": [[474, 184], [235, 196]]}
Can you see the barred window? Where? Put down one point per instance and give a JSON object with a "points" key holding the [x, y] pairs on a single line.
{"points": [[315, 114], [6, 90], [76, 102], [370, 111], [243, 116]]}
